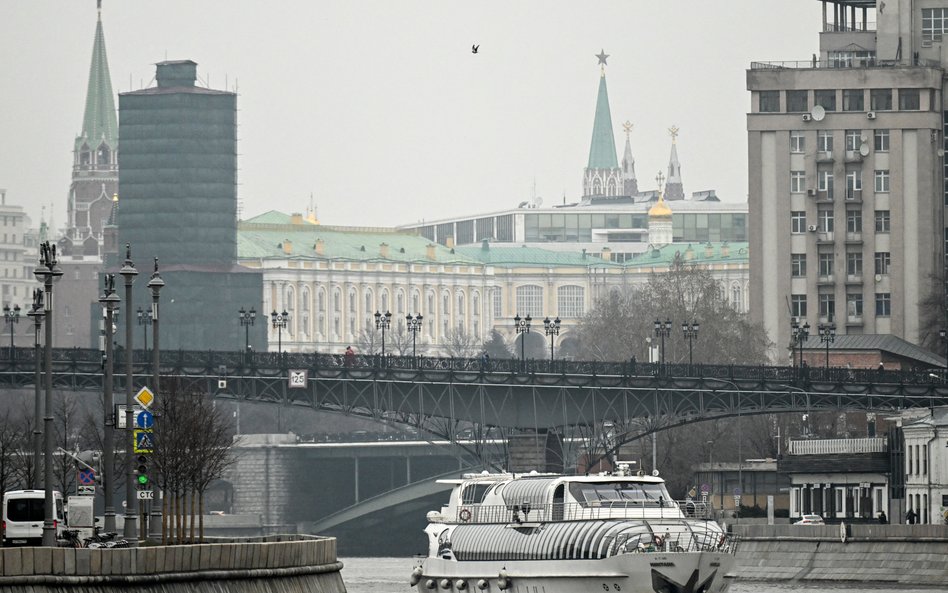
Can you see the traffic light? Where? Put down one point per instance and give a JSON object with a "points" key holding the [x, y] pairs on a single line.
{"points": [[141, 468]]}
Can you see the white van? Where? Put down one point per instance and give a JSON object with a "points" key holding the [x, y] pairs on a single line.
{"points": [[23, 516]]}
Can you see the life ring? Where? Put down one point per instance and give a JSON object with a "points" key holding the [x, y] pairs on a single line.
{"points": [[465, 515]]}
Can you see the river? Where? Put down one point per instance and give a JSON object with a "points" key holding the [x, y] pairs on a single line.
{"points": [[390, 575]]}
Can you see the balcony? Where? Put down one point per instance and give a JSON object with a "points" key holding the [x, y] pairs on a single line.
{"points": [[840, 64], [837, 446]]}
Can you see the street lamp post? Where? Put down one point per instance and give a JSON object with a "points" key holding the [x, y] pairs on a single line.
{"points": [[155, 284], [383, 321], [663, 330], [691, 332], [246, 320], [37, 314], [129, 272], [414, 326], [12, 317], [799, 334], [47, 271], [943, 336], [279, 321], [552, 329], [522, 325], [144, 320], [109, 300], [827, 336]]}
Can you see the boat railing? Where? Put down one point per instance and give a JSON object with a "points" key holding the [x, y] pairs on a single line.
{"points": [[679, 541], [600, 509]]}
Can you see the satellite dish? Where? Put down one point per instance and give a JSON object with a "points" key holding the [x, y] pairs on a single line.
{"points": [[818, 113], [864, 149]]}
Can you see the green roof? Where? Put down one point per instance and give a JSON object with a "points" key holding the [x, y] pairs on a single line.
{"points": [[526, 256], [699, 253], [99, 121], [602, 150]]}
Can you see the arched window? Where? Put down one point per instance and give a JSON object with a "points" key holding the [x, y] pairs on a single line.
{"points": [[291, 309], [103, 155], [385, 306], [737, 296], [612, 187], [321, 300], [597, 187], [569, 301], [400, 303], [445, 305], [530, 300], [85, 155], [415, 302], [304, 316], [498, 303], [369, 302], [460, 309], [476, 304]]}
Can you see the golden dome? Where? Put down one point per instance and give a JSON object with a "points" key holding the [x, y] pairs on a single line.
{"points": [[660, 209]]}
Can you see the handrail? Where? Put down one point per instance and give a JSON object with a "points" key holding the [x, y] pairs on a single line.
{"points": [[597, 510]]}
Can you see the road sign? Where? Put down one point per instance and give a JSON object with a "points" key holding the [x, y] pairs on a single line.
{"points": [[298, 379], [705, 488], [145, 419], [120, 415], [85, 477], [85, 490], [144, 441], [737, 491], [737, 500], [146, 495], [145, 397]]}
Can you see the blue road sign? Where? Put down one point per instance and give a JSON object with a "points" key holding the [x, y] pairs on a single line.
{"points": [[145, 419], [86, 477], [144, 441]]}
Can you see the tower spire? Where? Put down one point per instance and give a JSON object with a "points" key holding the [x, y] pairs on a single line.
{"points": [[674, 190], [99, 121], [602, 176], [629, 183]]}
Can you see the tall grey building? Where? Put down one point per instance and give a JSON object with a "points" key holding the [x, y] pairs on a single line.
{"points": [[847, 176]]}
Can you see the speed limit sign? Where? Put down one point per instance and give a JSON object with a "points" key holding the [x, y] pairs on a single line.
{"points": [[298, 379]]}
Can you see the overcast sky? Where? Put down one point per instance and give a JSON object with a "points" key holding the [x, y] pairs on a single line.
{"points": [[381, 111]]}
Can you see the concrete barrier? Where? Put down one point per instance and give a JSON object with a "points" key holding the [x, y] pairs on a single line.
{"points": [[268, 564]]}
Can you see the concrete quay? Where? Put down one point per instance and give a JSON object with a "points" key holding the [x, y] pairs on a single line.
{"points": [[906, 555], [272, 564]]}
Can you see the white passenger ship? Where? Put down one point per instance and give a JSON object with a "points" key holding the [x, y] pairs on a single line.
{"points": [[547, 533]]}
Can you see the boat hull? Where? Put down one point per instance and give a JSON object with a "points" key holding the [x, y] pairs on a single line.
{"points": [[672, 572]]}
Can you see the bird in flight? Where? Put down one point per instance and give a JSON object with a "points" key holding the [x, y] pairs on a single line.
{"points": [[474, 49]]}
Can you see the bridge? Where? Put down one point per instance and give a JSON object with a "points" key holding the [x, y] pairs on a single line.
{"points": [[509, 394]]}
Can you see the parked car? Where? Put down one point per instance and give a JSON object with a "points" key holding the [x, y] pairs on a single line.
{"points": [[810, 520]]}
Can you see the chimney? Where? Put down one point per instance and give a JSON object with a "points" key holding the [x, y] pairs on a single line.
{"points": [[725, 250], [287, 246], [319, 247], [485, 245], [449, 242], [606, 254], [383, 250], [430, 252], [689, 253], [296, 218]]}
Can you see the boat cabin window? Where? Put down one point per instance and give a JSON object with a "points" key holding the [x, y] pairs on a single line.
{"points": [[474, 493], [618, 493]]}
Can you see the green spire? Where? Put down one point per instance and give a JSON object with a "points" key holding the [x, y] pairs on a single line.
{"points": [[602, 151], [99, 121]]}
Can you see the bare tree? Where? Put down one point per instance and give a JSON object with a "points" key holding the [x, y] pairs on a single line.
{"points": [[461, 344], [496, 346], [11, 440], [66, 437]]}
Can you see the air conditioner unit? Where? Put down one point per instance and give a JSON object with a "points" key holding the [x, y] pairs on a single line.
{"points": [[871, 114], [812, 228], [807, 117], [811, 192]]}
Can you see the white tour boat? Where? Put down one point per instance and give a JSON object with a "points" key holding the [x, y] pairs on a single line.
{"points": [[547, 533]]}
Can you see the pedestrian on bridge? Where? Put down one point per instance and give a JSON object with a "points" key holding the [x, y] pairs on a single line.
{"points": [[350, 356]]}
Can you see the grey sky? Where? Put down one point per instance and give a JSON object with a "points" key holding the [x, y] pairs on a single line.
{"points": [[380, 109]]}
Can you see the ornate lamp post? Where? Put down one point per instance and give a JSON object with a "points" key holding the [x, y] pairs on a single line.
{"points": [[129, 272], [663, 330], [691, 333], [246, 320], [155, 284], [383, 321], [109, 300], [12, 317], [279, 321], [552, 329], [800, 334], [47, 271], [827, 336], [37, 314], [522, 325], [144, 320], [414, 326], [943, 336]]}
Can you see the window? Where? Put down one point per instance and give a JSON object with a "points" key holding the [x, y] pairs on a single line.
{"points": [[854, 184], [908, 100], [828, 307], [934, 23], [824, 141], [498, 304], [769, 101], [797, 182], [882, 180], [854, 305], [797, 141], [854, 264], [797, 102], [882, 221], [883, 259], [798, 222], [569, 301], [853, 139], [826, 264], [883, 304], [880, 99], [530, 301], [825, 99], [798, 265], [798, 305], [824, 179], [854, 221], [826, 221], [881, 140], [854, 100]]}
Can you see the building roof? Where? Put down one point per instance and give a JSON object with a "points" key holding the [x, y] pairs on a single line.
{"points": [[657, 257], [99, 121], [698, 253], [602, 149], [881, 342]]}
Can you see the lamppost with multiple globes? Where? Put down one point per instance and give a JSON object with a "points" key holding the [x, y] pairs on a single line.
{"points": [[552, 329], [246, 320], [155, 284], [827, 336], [690, 330], [109, 300], [12, 317], [129, 273], [279, 321], [799, 334], [37, 314], [413, 323], [144, 320], [663, 330], [522, 325], [47, 271], [383, 321]]}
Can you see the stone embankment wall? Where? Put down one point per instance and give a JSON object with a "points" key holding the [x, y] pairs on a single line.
{"points": [[292, 564], [897, 554]]}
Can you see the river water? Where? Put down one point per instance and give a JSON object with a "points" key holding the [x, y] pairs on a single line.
{"points": [[390, 575]]}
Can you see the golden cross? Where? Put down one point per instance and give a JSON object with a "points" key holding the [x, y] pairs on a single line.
{"points": [[660, 179]]}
